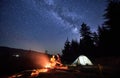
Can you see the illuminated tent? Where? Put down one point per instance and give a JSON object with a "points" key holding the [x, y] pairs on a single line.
{"points": [[82, 60]]}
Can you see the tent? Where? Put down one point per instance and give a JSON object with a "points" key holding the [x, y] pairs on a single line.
{"points": [[82, 60]]}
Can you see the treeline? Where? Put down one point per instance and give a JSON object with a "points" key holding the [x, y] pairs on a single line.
{"points": [[102, 43]]}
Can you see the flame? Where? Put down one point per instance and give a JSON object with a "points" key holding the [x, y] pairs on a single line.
{"points": [[53, 62], [48, 65]]}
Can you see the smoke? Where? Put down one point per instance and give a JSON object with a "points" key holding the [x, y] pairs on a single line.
{"points": [[40, 60]]}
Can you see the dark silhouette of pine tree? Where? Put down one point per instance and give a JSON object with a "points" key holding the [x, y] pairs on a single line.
{"points": [[66, 52], [112, 15], [86, 41], [109, 33], [95, 39], [74, 50], [70, 51], [104, 44]]}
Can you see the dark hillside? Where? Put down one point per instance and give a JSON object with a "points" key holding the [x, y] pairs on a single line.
{"points": [[15, 60]]}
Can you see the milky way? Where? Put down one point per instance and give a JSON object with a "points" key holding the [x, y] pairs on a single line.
{"points": [[46, 24]]}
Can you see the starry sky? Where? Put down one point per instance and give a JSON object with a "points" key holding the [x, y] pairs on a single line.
{"points": [[46, 24]]}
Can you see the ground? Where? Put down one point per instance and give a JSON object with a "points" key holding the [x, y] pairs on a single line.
{"points": [[84, 72]]}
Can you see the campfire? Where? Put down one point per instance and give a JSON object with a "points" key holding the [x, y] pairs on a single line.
{"points": [[53, 63], [48, 65]]}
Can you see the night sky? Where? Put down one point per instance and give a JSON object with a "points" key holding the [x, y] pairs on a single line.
{"points": [[46, 24]]}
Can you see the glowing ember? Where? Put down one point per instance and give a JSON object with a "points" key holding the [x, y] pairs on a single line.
{"points": [[36, 72], [43, 70]]}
